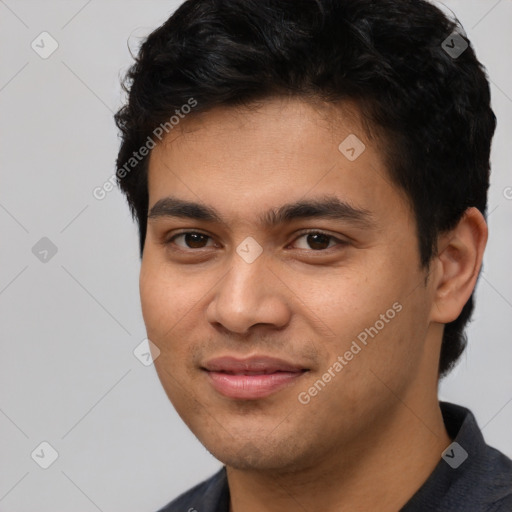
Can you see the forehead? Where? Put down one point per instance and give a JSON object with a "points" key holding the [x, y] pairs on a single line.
{"points": [[242, 159], [295, 114]]}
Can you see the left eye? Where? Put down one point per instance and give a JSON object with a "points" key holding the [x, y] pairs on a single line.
{"points": [[318, 241]]}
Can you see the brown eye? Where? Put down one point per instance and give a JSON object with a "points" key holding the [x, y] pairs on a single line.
{"points": [[192, 240], [318, 241]]}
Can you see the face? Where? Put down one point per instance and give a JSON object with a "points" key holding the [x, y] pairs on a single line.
{"points": [[288, 300]]}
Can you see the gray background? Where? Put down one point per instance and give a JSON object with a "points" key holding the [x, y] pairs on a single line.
{"points": [[69, 325]]}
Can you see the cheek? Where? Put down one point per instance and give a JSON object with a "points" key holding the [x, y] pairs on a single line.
{"points": [[392, 342], [344, 302], [167, 305], [166, 297], [172, 302], [154, 301], [378, 323]]}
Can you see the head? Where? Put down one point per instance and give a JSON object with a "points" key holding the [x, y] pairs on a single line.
{"points": [[345, 117]]}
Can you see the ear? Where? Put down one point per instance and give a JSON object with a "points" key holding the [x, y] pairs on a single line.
{"points": [[456, 267]]}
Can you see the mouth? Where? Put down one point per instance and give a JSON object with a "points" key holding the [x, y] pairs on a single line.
{"points": [[253, 378]]}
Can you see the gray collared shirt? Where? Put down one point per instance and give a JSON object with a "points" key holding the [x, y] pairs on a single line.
{"points": [[480, 482]]}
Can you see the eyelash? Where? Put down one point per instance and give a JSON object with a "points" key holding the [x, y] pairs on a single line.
{"points": [[341, 243]]}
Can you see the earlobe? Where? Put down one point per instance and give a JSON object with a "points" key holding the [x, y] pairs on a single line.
{"points": [[458, 262]]}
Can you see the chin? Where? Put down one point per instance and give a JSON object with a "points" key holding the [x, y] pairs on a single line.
{"points": [[259, 455]]}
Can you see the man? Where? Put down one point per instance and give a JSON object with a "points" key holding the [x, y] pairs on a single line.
{"points": [[309, 178]]}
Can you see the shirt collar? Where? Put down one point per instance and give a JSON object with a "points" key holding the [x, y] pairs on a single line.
{"points": [[461, 458]]}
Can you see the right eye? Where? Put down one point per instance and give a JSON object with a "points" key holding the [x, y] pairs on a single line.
{"points": [[191, 239]]}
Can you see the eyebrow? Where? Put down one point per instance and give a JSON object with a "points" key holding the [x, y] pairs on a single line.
{"points": [[325, 207]]}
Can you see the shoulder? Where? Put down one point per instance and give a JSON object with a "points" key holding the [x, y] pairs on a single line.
{"points": [[207, 496], [497, 476], [478, 479], [503, 505], [484, 479]]}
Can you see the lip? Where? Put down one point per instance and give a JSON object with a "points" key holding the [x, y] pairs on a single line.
{"points": [[252, 378]]}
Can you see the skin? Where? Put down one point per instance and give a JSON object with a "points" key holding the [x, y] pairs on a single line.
{"points": [[371, 437]]}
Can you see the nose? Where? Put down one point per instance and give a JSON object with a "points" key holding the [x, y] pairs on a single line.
{"points": [[249, 294]]}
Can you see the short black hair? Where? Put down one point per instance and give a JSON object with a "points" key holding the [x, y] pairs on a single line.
{"points": [[429, 105]]}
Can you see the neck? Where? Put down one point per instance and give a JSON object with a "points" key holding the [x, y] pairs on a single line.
{"points": [[380, 470]]}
